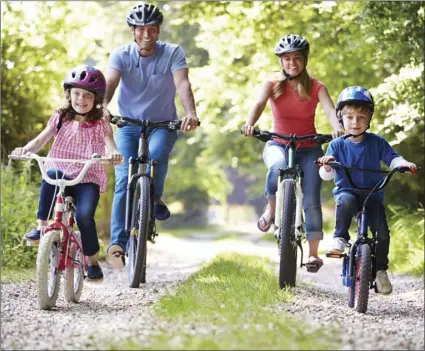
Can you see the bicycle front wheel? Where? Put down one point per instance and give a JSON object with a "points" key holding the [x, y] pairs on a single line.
{"points": [[47, 270], [137, 248], [363, 273], [287, 243], [74, 272]]}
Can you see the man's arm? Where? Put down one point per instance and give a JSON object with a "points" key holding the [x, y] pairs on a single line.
{"points": [[113, 77], [184, 88]]}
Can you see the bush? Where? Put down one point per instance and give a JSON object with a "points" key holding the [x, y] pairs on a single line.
{"points": [[407, 240], [18, 215]]}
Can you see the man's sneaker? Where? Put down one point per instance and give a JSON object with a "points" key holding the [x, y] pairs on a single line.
{"points": [[116, 256], [383, 284], [338, 246], [94, 273], [33, 237]]}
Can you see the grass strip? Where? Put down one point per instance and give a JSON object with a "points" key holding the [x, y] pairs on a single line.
{"points": [[232, 303]]}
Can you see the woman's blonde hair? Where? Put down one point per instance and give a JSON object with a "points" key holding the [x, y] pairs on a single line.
{"points": [[303, 84]]}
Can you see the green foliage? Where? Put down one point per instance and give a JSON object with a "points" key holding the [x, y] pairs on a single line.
{"points": [[407, 240], [18, 209]]}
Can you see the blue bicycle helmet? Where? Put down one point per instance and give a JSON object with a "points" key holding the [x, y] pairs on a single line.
{"points": [[356, 95]]}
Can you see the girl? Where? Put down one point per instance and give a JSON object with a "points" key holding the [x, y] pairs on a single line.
{"points": [[79, 131], [293, 97]]}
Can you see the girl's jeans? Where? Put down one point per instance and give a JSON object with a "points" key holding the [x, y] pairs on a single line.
{"points": [[275, 157], [161, 142], [348, 205], [86, 196]]}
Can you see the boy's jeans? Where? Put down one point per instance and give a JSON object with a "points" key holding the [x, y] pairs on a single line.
{"points": [[348, 205], [161, 142], [275, 156], [86, 196]]}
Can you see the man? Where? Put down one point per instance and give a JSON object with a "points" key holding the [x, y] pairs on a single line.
{"points": [[150, 72]]}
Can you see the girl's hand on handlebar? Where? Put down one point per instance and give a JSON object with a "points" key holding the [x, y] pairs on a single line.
{"points": [[116, 158], [189, 123], [247, 130], [19, 151], [325, 160]]}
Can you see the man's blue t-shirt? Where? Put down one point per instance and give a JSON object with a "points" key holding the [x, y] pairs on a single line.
{"points": [[146, 89], [367, 153]]}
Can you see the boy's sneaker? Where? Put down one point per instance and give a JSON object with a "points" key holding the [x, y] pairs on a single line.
{"points": [[33, 237], [338, 246], [383, 284], [94, 273]]}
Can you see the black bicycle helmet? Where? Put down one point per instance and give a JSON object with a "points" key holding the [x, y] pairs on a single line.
{"points": [[290, 43], [145, 15]]}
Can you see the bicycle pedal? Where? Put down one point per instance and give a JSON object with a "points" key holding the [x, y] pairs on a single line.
{"points": [[334, 255]]}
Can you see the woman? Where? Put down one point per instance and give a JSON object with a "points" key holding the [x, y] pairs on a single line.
{"points": [[294, 96]]}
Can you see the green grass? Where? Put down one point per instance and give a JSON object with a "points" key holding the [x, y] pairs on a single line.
{"points": [[9, 275], [231, 304]]}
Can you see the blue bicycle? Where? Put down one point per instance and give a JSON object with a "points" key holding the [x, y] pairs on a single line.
{"points": [[359, 265]]}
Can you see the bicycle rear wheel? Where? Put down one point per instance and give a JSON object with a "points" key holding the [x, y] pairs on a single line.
{"points": [[74, 273], [47, 270], [363, 273], [137, 248], [287, 243]]}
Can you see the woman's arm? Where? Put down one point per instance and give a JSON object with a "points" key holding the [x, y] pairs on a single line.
{"points": [[258, 108], [36, 144], [329, 109]]}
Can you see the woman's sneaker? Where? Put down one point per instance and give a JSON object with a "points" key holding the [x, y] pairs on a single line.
{"points": [[94, 273], [33, 237], [338, 246], [383, 284]]}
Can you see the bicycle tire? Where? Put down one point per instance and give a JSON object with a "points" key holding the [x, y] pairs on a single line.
{"points": [[287, 243], [74, 273], [363, 273], [48, 253], [352, 288], [137, 251]]}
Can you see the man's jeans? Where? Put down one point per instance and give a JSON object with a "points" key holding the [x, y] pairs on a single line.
{"points": [[275, 156], [161, 142], [348, 205], [86, 196]]}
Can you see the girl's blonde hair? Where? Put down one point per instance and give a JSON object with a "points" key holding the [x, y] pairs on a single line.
{"points": [[303, 86]]}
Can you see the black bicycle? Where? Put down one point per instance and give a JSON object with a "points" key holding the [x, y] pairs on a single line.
{"points": [[359, 265], [289, 220], [139, 208]]}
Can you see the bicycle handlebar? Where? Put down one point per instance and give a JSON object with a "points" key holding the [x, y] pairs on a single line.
{"points": [[265, 136], [385, 180], [96, 158], [120, 122]]}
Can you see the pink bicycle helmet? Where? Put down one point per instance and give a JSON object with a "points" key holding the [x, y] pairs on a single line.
{"points": [[86, 77]]}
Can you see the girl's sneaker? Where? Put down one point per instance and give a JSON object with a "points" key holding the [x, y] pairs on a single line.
{"points": [[94, 273], [33, 237]]}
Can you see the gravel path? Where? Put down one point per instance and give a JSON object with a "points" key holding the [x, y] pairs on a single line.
{"points": [[111, 311]]}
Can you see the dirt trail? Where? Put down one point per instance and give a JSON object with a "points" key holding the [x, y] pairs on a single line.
{"points": [[110, 311]]}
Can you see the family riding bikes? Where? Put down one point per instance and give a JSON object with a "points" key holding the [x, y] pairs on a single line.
{"points": [[294, 178], [148, 73]]}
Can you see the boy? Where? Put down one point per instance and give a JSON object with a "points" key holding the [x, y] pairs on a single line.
{"points": [[354, 111]]}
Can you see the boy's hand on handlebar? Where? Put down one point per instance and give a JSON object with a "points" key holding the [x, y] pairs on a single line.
{"points": [[325, 160], [409, 165], [247, 130], [337, 133], [189, 123]]}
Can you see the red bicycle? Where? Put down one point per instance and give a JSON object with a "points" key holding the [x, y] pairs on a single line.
{"points": [[60, 249]]}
